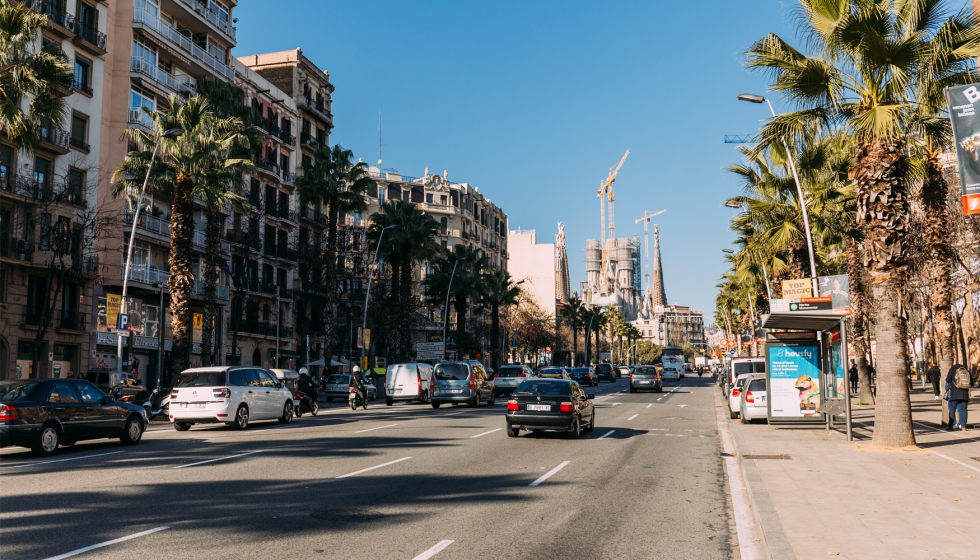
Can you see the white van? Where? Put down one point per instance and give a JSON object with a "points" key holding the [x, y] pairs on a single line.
{"points": [[407, 382]]}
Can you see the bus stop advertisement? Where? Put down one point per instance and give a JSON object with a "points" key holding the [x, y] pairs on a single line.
{"points": [[805, 352]]}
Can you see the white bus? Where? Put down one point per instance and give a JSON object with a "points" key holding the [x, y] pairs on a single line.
{"points": [[673, 362]]}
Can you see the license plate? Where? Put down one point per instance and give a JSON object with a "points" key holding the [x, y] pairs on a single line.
{"points": [[763, 399], [194, 405], [398, 390], [452, 391], [543, 407], [645, 382]]}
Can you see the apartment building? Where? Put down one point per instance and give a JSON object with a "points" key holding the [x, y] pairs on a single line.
{"points": [[263, 239], [155, 49], [48, 199]]}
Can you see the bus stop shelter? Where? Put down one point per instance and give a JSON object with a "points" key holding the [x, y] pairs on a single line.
{"points": [[806, 353]]}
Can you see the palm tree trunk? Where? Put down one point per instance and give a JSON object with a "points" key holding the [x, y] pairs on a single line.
{"points": [[394, 312], [939, 263], [574, 344], [405, 310], [181, 281], [330, 277], [212, 242], [858, 333], [495, 336]]}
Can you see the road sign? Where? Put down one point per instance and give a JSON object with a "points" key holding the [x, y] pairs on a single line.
{"points": [[731, 352], [430, 350], [812, 304]]}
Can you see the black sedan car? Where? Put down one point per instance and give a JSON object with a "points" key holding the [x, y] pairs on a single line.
{"points": [[606, 371], [553, 372], [584, 375], [646, 378], [45, 413], [550, 405]]}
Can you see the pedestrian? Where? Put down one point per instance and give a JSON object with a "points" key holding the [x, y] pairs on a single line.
{"points": [[958, 394], [873, 374], [71, 374], [852, 376], [934, 376]]}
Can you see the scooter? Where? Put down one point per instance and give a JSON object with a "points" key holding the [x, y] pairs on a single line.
{"points": [[355, 399], [161, 409], [306, 404]]}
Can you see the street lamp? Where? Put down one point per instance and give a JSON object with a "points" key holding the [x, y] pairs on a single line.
{"points": [[752, 98], [588, 329], [368, 294], [124, 309], [445, 313]]}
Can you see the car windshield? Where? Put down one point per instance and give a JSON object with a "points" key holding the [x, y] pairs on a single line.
{"points": [[580, 371], [338, 380], [16, 390], [451, 372], [510, 372], [544, 388], [749, 367], [603, 367], [549, 371], [645, 371], [201, 379]]}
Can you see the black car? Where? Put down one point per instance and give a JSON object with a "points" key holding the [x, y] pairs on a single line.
{"points": [[646, 378], [551, 405], [584, 376], [45, 413], [553, 372], [606, 371]]}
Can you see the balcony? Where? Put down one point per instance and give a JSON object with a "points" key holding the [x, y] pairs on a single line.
{"points": [[318, 109], [267, 166], [212, 17], [81, 86], [185, 43], [288, 178], [79, 144], [243, 238], [307, 140], [54, 139], [73, 320], [139, 118], [220, 292], [312, 215], [264, 328], [150, 224], [17, 249], [92, 38], [280, 252], [148, 69], [59, 21], [147, 275]]}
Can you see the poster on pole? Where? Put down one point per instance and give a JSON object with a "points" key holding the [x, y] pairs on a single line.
{"points": [[802, 288], [794, 381], [966, 136]]}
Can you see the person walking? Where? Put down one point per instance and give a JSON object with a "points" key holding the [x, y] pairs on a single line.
{"points": [[958, 394], [934, 376], [852, 376]]}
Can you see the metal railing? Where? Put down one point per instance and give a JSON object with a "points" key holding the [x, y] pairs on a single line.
{"points": [[264, 328], [73, 320], [149, 223], [202, 8], [220, 292], [147, 275], [184, 42], [92, 36], [79, 143], [56, 136], [55, 15], [148, 69], [311, 214], [309, 140], [137, 116], [316, 108], [267, 165], [80, 86]]}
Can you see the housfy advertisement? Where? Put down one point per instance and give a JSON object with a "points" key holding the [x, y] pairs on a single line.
{"points": [[794, 381], [966, 135]]}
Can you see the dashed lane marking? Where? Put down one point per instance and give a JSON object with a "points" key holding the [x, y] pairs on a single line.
{"points": [[377, 428], [434, 550], [107, 543], [21, 465], [632, 417], [374, 467], [485, 433], [218, 459], [550, 473], [607, 434]]}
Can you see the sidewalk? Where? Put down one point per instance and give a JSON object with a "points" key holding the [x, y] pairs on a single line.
{"points": [[834, 498]]}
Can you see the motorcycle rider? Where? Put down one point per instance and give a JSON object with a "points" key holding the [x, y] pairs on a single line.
{"points": [[305, 384], [357, 382]]}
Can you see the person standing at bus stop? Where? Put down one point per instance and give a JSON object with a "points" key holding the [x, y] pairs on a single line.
{"points": [[852, 376]]}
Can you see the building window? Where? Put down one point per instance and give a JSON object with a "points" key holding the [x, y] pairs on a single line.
{"points": [[83, 75], [88, 18], [45, 232], [79, 131], [151, 321]]}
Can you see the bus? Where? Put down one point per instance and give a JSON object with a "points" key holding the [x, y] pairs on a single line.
{"points": [[673, 362]]}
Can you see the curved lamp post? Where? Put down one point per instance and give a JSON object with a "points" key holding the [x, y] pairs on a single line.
{"points": [[367, 295], [445, 316]]}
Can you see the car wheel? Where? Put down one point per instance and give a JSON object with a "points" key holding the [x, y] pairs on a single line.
{"points": [[575, 431], [389, 402], [329, 399], [182, 426], [591, 423], [436, 405], [733, 415], [743, 420], [475, 403], [493, 399], [133, 432], [315, 408], [47, 442], [512, 431], [241, 418], [287, 413]]}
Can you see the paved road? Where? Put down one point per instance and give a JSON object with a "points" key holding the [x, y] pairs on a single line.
{"points": [[388, 483]]}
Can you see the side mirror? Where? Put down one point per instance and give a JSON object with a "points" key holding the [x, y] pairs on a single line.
{"points": [[590, 396]]}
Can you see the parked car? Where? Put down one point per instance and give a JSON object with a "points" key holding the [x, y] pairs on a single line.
{"points": [[234, 395], [743, 366], [44, 413], [337, 386], [584, 375], [553, 372], [551, 405], [508, 378], [752, 404], [606, 371], [735, 395], [407, 382], [289, 378], [461, 382], [129, 390], [646, 378]]}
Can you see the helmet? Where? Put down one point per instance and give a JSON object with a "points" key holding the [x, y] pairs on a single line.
{"points": [[356, 369], [304, 371]]}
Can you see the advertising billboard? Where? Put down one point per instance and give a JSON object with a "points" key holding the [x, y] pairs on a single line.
{"points": [[794, 380], [963, 102]]}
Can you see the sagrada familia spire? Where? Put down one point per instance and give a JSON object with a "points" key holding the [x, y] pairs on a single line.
{"points": [[658, 294]]}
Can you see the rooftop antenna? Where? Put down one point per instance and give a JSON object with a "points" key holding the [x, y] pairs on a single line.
{"points": [[380, 139]]}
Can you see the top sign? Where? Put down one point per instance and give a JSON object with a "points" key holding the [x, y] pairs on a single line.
{"points": [[802, 288], [812, 304]]}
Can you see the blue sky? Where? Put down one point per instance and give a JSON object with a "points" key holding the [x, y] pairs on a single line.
{"points": [[533, 102]]}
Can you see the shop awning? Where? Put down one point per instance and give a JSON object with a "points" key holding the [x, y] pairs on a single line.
{"points": [[802, 320]]}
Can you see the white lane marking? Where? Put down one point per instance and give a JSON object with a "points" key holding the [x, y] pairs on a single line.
{"points": [[58, 460], [745, 528], [649, 405], [550, 473], [660, 399], [485, 433], [616, 403], [956, 461], [454, 413], [218, 459], [378, 428], [607, 434], [682, 405], [434, 550], [374, 467], [107, 543], [632, 417]]}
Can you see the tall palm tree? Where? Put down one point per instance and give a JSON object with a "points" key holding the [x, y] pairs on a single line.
{"points": [[191, 159], [499, 291], [334, 180], [594, 318], [572, 312], [865, 57], [467, 285], [32, 73]]}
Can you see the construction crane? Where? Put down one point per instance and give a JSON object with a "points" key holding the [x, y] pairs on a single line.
{"points": [[646, 244], [605, 194]]}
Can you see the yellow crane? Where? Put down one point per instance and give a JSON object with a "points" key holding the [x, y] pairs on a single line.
{"points": [[605, 194]]}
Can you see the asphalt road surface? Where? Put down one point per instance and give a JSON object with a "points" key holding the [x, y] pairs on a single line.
{"points": [[399, 482]]}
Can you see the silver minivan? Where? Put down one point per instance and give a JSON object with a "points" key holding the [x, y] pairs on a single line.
{"points": [[407, 382], [461, 382], [508, 378]]}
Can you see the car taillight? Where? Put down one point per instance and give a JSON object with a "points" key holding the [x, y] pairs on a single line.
{"points": [[511, 405], [173, 394], [631, 377], [736, 392], [8, 414], [222, 393], [472, 385], [565, 407], [420, 385], [748, 397], [520, 375], [496, 375], [299, 396], [353, 390]]}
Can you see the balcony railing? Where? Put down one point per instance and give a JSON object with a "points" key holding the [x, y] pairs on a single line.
{"points": [[280, 252], [150, 223], [54, 12], [73, 320], [79, 143], [150, 70], [55, 136], [220, 292], [19, 249], [138, 116], [318, 109], [202, 8], [184, 42], [309, 140], [264, 328], [151, 275], [311, 214], [81, 86], [267, 165], [288, 178], [92, 36]]}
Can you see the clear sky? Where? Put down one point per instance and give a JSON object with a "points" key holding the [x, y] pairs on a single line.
{"points": [[533, 102]]}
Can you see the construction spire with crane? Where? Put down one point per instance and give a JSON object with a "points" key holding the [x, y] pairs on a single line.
{"points": [[647, 295], [606, 208]]}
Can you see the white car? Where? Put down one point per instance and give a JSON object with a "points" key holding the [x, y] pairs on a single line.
{"points": [[752, 404], [735, 396], [408, 382], [234, 395]]}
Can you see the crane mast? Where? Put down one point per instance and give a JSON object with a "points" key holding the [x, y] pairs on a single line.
{"points": [[606, 201], [646, 247]]}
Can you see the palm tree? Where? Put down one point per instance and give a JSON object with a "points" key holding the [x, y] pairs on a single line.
{"points": [[412, 241], [573, 311], [467, 285], [32, 73], [594, 318], [499, 291], [185, 162], [866, 57]]}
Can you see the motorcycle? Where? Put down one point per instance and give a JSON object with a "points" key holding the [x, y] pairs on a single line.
{"points": [[355, 399], [161, 409], [306, 404]]}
